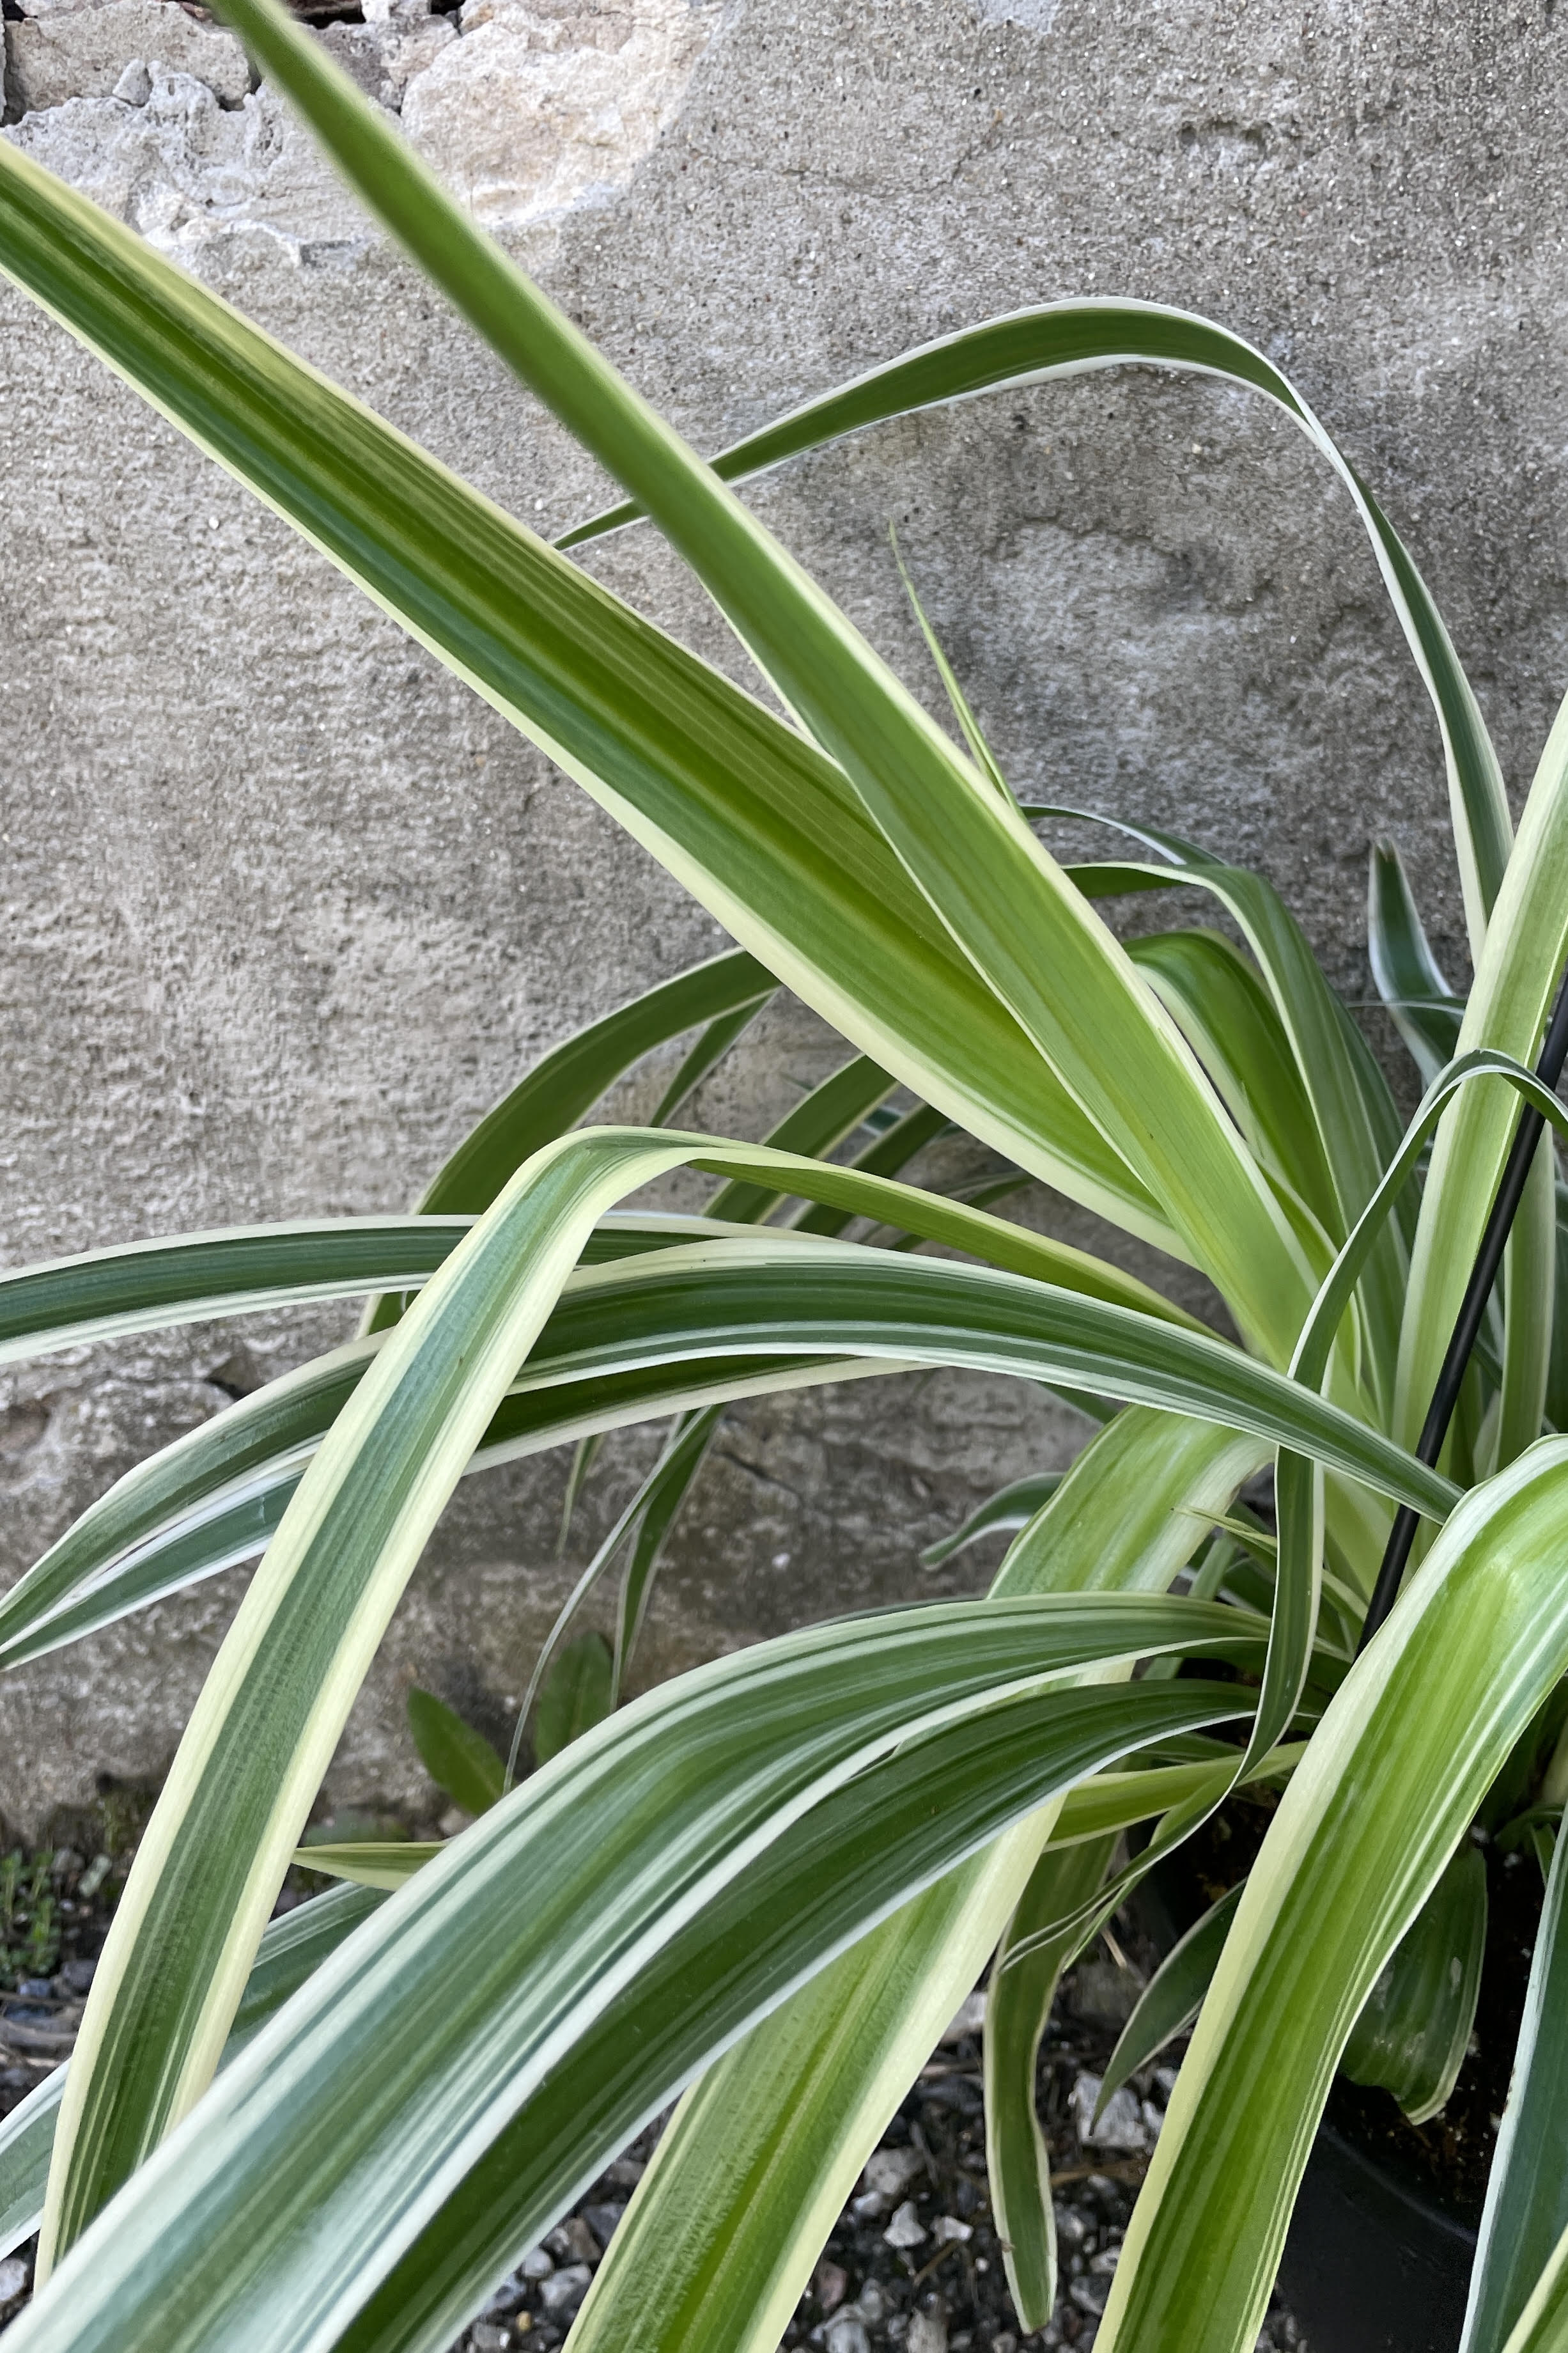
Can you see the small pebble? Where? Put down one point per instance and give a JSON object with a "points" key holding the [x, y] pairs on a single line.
{"points": [[846, 2334], [889, 2172], [831, 2284], [905, 2229], [486, 2336], [572, 2241], [928, 2332], [601, 2221], [581, 2244], [1121, 2126], [536, 2265], [563, 2291], [1101, 1994], [12, 2279], [948, 2230]]}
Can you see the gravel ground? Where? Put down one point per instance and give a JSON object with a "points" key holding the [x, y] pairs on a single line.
{"points": [[914, 2261], [55, 1906]]}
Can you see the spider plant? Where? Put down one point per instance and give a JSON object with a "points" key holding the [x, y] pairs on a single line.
{"points": [[769, 1883]]}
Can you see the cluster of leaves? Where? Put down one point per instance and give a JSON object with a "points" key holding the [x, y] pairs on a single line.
{"points": [[769, 1882]]}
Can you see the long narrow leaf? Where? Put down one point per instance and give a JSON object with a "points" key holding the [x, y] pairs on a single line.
{"points": [[1423, 1007], [660, 1493], [648, 1336], [217, 1494], [106, 1294], [1233, 1025], [1517, 976], [1174, 1995], [91, 1578], [829, 1113], [264, 1729], [867, 1301], [759, 824], [1353, 1114], [705, 1055], [1415, 2029], [1011, 1507], [498, 2207], [571, 1079], [1114, 1801], [754, 2168], [151, 1286], [1064, 1882], [725, 993], [1062, 339], [1402, 1757], [164, 1283], [886, 1156], [809, 2093], [1057, 969], [900, 1741], [1526, 2212]]}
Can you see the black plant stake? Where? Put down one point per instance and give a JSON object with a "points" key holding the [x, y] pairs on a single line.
{"points": [[1445, 1396]]}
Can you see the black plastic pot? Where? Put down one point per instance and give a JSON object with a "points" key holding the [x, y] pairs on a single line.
{"points": [[1370, 2265]]}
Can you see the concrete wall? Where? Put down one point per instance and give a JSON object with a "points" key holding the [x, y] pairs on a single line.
{"points": [[285, 907]]}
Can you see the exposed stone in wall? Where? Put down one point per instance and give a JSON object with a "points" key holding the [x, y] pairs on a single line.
{"points": [[398, 39], [525, 107], [545, 102], [163, 154], [81, 48]]}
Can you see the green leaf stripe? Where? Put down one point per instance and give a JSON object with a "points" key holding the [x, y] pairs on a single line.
{"points": [[871, 1302]]}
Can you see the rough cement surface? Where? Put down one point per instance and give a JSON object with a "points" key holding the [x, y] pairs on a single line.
{"points": [[285, 907]]}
